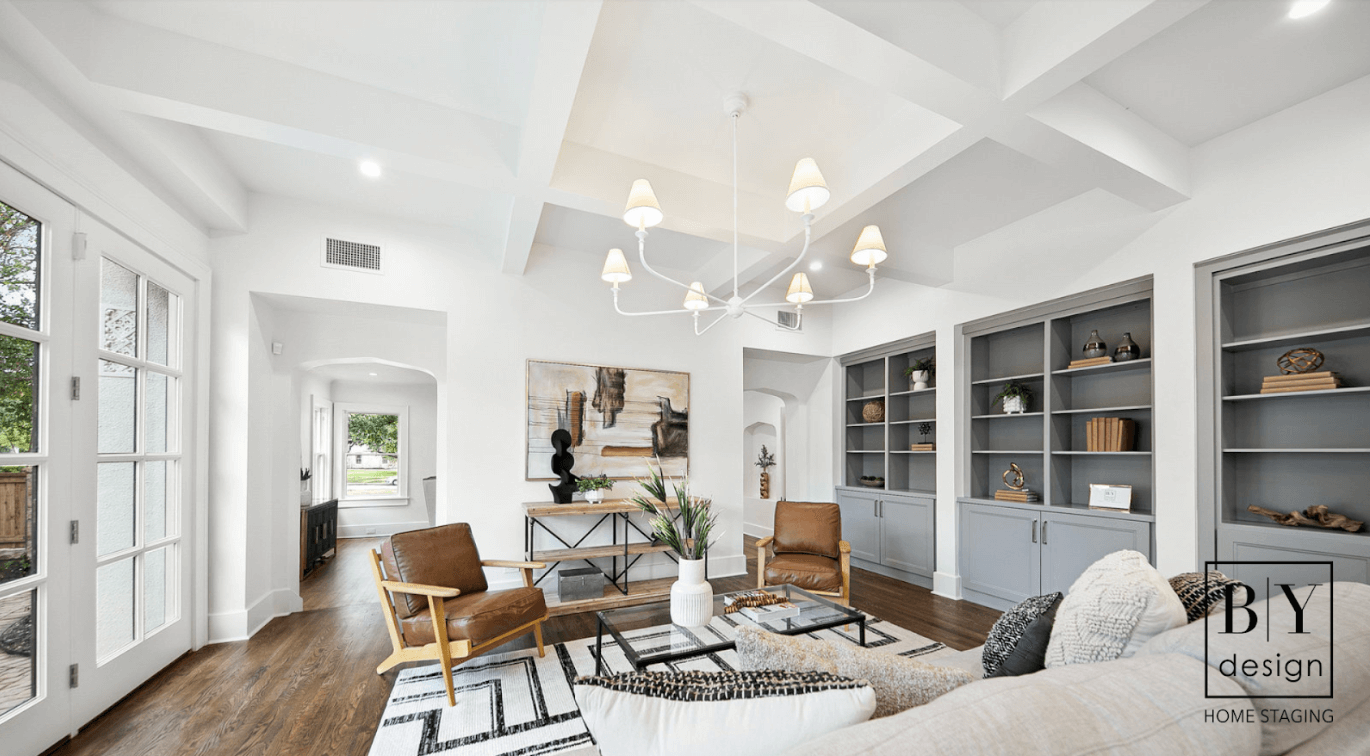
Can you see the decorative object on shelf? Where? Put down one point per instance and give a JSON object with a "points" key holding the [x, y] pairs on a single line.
{"points": [[920, 371], [1127, 349], [1096, 362], [1110, 434], [1317, 515], [688, 534], [1301, 360], [1016, 480], [1014, 477], [1294, 382], [807, 193], [1095, 347], [923, 430], [615, 418], [594, 487], [873, 411], [734, 602], [306, 494], [872, 481], [1111, 497], [1015, 396], [562, 462], [766, 461]]}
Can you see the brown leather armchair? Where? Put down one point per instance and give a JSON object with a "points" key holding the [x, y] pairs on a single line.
{"points": [[809, 550], [436, 602]]}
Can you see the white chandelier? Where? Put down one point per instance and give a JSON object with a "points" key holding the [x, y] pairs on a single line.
{"points": [[807, 193]]}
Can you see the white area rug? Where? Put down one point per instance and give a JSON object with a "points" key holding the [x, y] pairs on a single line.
{"points": [[517, 704]]}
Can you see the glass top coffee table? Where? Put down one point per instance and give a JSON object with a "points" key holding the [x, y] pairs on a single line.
{"points": [[646, 635]]}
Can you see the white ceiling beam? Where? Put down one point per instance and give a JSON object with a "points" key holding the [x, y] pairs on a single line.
{"points": [[568, 28]]}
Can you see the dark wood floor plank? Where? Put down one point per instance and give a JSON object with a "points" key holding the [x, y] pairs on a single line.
{"points": [[306, 684]]}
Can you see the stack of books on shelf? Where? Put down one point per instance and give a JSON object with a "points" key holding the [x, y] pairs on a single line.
{"points": [[922, 447], [1110, 434], [1092, 362], [1025, 496], [1284, 384]]}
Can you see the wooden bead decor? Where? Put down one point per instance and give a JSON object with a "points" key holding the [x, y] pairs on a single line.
{"points": [[1316, 515], [752, 599], [1301, 360]]}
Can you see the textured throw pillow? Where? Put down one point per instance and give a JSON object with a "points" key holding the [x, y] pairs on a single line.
{"points": [[1119, 603], [1017, 644], [899, 683], [718, 713], [1200, 591]]}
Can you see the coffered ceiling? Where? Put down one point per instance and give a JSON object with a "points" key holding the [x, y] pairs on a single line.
{"points": [[523, 123]]}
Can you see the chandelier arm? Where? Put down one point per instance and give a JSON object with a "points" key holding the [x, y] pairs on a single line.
{"points": [[642, 258], [621, 311], [808, 236], [707, 327], [869, 290]]}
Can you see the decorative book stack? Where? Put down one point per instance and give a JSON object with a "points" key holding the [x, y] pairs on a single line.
{"points": [[1110, 434], [922, 447], [1284, 384], [1024, 495], [771, 612], [1093, 362]]}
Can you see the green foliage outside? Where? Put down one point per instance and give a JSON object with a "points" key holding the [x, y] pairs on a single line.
{"points": [[369, 476], [19, 306], [378, 433]]}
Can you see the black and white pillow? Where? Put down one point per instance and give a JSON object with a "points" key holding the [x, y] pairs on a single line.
{"points": [[1200, 591], [1010, 630], [692, 713]]}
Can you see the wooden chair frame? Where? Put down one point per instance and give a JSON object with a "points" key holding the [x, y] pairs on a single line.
{"points": [[843, 559], [444, 650]]}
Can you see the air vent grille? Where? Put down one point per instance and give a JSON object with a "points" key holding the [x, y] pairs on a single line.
{"points": [[351, 255], [787, 320]]}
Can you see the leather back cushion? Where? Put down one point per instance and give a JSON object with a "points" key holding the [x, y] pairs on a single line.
{"points": [[445, 556], [803, 527]]}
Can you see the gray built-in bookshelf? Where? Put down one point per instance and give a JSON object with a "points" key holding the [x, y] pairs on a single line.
{"points": [[1012, 550], [1285, 451], [881, 449]]}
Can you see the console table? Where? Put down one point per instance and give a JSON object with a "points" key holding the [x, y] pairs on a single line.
{"points": [[318, 534]]}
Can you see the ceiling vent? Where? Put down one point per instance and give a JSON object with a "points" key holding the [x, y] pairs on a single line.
{"points": [[352, 255], [785, 321]]}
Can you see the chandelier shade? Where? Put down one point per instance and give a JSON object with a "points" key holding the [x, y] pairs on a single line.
{"points": [[616, 268], [799, 291], [870, 247], [808, 191], [643, 211], [695, 298]]}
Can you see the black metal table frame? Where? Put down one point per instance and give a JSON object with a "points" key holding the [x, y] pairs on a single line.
{"points": [[665, 658], [531, 523]]}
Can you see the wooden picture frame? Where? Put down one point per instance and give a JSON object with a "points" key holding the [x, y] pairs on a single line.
{"points": [[1110, 497]]}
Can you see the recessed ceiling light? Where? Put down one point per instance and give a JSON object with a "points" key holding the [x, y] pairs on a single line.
{"points": [[370, 169], [816, 265], [1305, 8], [371, 374]]}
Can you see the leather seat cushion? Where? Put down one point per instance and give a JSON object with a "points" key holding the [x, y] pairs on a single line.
{"points": [[444, 556], [803, 527], [814, 573], [478, 617]]}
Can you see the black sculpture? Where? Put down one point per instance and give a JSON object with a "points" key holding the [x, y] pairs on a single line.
{"points": [[562, 462]]}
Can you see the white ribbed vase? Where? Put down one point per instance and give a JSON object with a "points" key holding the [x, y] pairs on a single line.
{"points": [[692, 598]]}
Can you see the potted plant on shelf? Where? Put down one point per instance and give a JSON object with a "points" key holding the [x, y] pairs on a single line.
{"points": [[594, 487], [689, 534], [306, 495], [1015, 396], [920, 371]]}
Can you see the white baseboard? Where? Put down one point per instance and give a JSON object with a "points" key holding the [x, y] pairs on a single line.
{"points": [[379, 530], [946, 585], [756, 530], [226, 627]]}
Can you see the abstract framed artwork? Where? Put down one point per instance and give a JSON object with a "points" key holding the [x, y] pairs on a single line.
{"points": [[619, 419]]}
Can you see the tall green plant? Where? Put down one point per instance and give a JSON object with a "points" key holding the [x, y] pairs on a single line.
{"points": [[689, 533]]}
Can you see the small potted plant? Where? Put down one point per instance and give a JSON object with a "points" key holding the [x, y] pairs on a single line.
{"points": [[689, 531], [594, 487], [920, 371], [1015, 396], [765, 462], [306, 495]]}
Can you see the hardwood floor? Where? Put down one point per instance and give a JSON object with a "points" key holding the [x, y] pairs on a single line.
{"points": [[306, 684]]}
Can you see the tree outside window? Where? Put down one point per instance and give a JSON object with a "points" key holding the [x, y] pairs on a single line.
{"points": [[372, 467]]}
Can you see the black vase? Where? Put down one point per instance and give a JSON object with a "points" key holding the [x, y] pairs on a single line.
{"points": [[1127, 349]]}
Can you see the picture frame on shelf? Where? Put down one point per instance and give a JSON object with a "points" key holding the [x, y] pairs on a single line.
{"points": [[1116, 498]]}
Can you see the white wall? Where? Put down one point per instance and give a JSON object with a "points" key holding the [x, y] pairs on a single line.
{"points": [[421, 447], [763, 423], [1296, 172]]}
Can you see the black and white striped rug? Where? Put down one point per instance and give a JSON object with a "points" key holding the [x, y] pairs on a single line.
{"points": [[519, 705]]}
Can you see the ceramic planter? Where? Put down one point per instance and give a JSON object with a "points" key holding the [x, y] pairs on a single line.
{"points": [[920, 379], [692, 598], [1014, 405], [596, 496]]}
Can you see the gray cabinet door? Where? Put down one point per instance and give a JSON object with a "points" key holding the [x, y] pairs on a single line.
{"points": [[998, 551], [860, 526], [1072, 542], [1257, 543], [907, 533]]}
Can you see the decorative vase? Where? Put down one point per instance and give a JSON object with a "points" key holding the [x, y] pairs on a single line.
{"points": [[1127, 349], [596, 496], [765, 485], [306, 495], [1095, 347], [874, 411], [692, 598], [1014, 405], [920, 380]]}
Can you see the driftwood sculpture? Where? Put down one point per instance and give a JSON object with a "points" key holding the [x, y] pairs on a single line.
{"points": [[1316, 515]]}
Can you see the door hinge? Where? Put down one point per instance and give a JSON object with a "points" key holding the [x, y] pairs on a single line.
{"points": [[78, 246], [75, 676], [75, 531], [76, 388]]}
